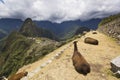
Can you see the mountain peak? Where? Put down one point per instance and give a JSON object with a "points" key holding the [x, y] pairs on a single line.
{"points": [[28, 20], [28, 28]]}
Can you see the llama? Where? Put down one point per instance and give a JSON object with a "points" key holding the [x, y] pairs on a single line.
{"points": [[18, 76], [79, 63], [90, 40]]}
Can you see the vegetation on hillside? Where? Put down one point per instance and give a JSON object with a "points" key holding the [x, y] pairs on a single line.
{"points": [[13, 53], [19, 50], [109, 19]]}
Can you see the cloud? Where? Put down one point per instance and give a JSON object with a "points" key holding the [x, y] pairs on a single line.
{"points": [[58, 10]]}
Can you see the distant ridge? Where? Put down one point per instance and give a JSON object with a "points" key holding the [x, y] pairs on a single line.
{"points": [[59, 29]]}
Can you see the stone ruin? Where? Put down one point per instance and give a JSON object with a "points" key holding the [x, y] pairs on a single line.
{"points": [[115, 66]]}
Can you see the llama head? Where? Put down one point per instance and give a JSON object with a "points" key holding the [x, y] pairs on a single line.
{"points": [[75, 42]]}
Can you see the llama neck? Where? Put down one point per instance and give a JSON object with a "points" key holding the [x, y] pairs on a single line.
{"points": [[75, 47]]}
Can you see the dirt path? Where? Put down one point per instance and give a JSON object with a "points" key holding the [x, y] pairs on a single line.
{"points": [[61, 67]]}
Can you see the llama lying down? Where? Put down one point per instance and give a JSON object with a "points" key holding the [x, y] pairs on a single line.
{"points": [[79, 62], [18, 76]]}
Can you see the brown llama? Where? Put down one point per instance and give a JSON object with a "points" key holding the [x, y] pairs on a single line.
{"points": [[90, 40], [79, 62], [18, 76]]}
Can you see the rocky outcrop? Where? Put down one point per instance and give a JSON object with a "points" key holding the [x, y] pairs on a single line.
{"points": [[115, 66], [111, 28]]}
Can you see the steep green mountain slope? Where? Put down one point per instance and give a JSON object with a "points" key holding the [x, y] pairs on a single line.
{"points": [[20, 50], [13, 51]]}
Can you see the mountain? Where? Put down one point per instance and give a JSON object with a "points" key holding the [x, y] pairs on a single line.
{"points": [[111, 26], [30, 29], [19, 50], [61, 30], [25, 46]]}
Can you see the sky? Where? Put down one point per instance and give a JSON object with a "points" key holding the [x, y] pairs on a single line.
{"points": [[2, 1], [58, 10]]}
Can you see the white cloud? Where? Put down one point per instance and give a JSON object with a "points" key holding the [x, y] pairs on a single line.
{"points": [[58, 10]]}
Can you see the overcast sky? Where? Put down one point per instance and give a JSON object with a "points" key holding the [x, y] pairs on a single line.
{"points": [[58, 10]]}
